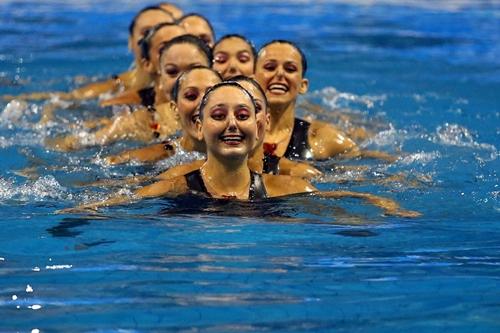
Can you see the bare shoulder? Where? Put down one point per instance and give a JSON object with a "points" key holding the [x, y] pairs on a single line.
{"points": [[280, 185], [327, 140], [167, 187]]}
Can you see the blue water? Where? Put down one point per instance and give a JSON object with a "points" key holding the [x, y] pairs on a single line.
{"points": [[426, 74]]}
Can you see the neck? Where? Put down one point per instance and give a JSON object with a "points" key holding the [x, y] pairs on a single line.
{"points": [[255, 159], [189, 144], [228, 177], [282, 117]]}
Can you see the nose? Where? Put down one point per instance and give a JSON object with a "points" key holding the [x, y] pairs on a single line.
{"points": [[232, 67], [280, 73], [232, 123]]}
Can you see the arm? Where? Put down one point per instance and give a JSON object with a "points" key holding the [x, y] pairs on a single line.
{"points": [[127, 97], [149, 154], [179, 170], [390, 207], [297, 169]]}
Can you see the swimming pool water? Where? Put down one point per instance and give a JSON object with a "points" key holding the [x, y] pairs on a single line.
{"points": [[425, 75]]}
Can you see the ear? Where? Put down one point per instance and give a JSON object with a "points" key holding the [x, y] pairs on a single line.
{"points": [[147, 65], [199, 130], [304, 85], [261, 129]]}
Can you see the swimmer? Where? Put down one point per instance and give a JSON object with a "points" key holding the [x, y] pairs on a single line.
{"points": [[227, 124], [148, 124], [150, 45], [198, 25], [234, 55], [135, 78], [280, 70]]}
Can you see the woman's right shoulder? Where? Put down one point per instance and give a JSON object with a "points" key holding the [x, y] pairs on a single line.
{"points": [[281, 185]]}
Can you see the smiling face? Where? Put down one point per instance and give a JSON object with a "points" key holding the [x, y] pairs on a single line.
{"points": [[262, 116], [198, 27], [233, 56], [160, 38], [279, 73], [175, 61], [143, 23], [191, 89], [228, 127]]}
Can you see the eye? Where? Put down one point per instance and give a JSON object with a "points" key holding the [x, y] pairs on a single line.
{"points": [[270, 66], [244, 57], [258, 107], [191, 95], [220, 58], [290, 68], [242, 114], [172, 71], [218, 114]]}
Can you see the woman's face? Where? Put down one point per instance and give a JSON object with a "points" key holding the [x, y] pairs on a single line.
{"points": [[160, 38], [279, 73], [191, 89], [233, 56], [175, 61], [197, 26], [229, 127], [261, 112], [143, 23]]}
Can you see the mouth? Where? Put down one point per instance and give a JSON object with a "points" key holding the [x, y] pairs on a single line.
{"points": [[277, 88], [232, 139]]}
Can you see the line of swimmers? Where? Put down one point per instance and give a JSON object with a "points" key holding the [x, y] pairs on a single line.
{"points": [[177, 70]]}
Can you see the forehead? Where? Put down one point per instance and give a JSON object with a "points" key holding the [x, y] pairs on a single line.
{"points": [[232, 44], [229, 95], [184, 53], [195, 22], [151, 18], [200, 77], [280, 52], [167, 33]]}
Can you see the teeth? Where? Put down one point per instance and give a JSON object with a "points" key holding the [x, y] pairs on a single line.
{"points": [[278, 86]]}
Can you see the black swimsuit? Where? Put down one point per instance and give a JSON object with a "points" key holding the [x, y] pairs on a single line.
{"points": [[196, 184], [298, 147]]}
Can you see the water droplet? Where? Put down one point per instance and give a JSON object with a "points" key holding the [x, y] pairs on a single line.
{"points": [[29, 289]]}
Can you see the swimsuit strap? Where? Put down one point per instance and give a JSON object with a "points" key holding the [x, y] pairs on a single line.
{"points": [[195, 182], [147, 96], [257, 189], [298, 147]]}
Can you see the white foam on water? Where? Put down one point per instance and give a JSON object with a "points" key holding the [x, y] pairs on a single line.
{"points": [[422, 158], [46, 187], [337, 99]]}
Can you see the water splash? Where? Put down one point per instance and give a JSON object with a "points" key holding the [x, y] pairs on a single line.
{"points": [[337, 99], [46, 187]]}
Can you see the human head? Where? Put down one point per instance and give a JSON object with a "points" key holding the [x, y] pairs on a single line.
{"points": [[179, 55], [261, 105], [234, 55], [188, 90], [153, 41], [280, 70], [198, 25], [227, 122], [172, 9], [144, 20]]}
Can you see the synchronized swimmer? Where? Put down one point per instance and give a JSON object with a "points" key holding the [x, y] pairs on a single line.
{"points": [[229, 102]]}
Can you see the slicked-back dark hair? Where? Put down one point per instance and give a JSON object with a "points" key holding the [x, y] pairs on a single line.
{"points": [[145, 9], [145, 42], [189, 39], [210, 90], [292, 44], [174, 94]]}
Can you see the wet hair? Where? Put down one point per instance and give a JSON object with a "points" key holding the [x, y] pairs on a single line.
{"points": [[145, 9], [174, 94], [243, 38], [241, 78], [292, 44], [189, 39], [212, 89], [145, 42], [184, 17]]}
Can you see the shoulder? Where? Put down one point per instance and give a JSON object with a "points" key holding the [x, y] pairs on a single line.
{"points": [[280, 185], [327, 140]]}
